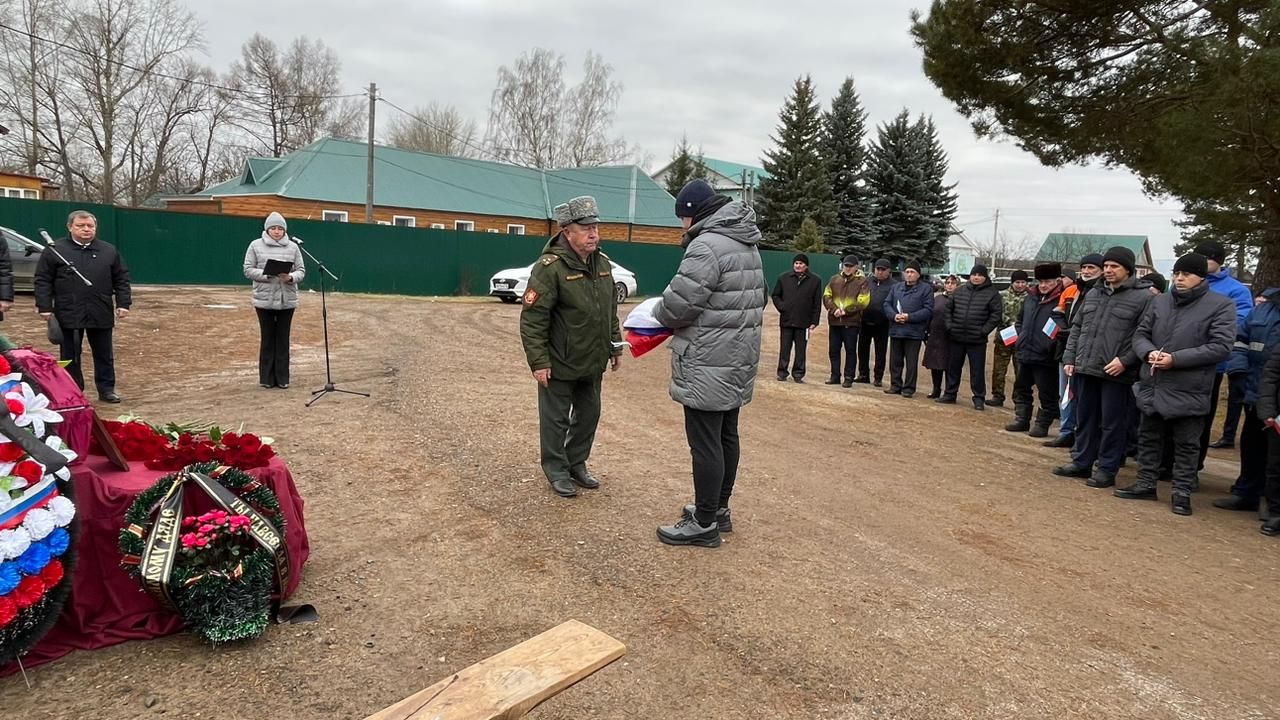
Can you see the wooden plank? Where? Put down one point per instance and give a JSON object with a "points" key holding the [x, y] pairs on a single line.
{"points": [[515, 681]]}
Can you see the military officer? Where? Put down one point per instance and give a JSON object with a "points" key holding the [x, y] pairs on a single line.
{"points": [[569, 327]]}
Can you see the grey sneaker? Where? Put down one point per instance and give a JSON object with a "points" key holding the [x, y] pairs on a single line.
{"points": [[722, 517], [689, 532]]}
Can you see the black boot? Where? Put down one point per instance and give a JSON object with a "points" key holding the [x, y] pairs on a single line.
{"points": [[1062, 441], [832, 381], [1223, 442], [996, 401], [1181, 504], [723, 519], [564, 487], [979, 404], [1044, 418], [1136, 491], [1071, 470], [689, 532], [1236, 502], [583, 479], [937, 393], [1101, 479], [1021, 418], [1271, 527]]}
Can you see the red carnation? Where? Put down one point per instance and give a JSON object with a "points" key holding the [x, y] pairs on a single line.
{"points": [[5, 369], [250, 443], [15, 406], [52, 574], [8, 611], [11, 452], [29, 470], [29, 592]]}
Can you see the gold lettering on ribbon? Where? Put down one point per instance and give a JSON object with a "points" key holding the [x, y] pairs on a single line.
{"points": [[159, 555]]}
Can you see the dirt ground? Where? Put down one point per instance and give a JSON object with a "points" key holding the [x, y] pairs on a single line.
{"points": [[891, 558]]}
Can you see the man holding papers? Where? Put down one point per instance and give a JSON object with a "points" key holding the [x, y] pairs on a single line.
{"points": [[1036, 354]]}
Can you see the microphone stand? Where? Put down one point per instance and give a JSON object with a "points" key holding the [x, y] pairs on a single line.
{"points": [[329, 386], [49, 242]]}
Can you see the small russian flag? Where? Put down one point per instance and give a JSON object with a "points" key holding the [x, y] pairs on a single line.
{"points": [[1051, 329], [1009, 335]]}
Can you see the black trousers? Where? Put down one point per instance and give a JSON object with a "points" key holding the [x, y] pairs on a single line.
{"points": [[799, 337], [846, 339], [1185, 434], [1253, 455], [1044, 378], [977, 356], [878, 334], [1235, 404], [904, 364], [939, 379], [1272, 489], [1102, 423], [1207, 430], [273, 349], [713, 443], [104, 361]]}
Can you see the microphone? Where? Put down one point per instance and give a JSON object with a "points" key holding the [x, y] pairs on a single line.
{"points": [[47, 240], [296, 239]]}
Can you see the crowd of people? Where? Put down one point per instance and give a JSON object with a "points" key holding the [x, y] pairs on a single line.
{"points": [[1128, 367]]}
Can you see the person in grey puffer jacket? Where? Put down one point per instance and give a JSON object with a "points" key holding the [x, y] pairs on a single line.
{"points": [[715, 306], [274, 297]]}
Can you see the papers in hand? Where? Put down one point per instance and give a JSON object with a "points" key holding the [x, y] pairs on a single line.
{"points": [[1009, 335]]}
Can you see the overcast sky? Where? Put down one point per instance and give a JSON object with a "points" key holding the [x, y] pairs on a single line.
{"points": [[715, 70]]}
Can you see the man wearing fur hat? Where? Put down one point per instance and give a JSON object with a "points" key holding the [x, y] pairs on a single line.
{"points": [[1180, 339], [1100, 355], [1036, 354], [797, 295], [1010, 311]]}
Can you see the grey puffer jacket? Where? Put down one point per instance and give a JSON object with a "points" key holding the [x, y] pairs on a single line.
{"points": [[715, 304], [1103, 329], [1197, 327], [272, 293]]}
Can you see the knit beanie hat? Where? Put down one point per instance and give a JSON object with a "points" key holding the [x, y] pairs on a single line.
{"points": [[1017, 275], [275, 219], [980, 270], [691, 196], [1094, 259], [1122, 256], [1158, 281], [800, 257], [1193, 263], [1212, 251], [913, 265]]}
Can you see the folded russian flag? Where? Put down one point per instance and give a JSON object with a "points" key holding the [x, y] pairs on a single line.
{"points": [[1009, 335], [644, 333]]}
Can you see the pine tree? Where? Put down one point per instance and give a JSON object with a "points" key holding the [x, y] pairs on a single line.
{"points": [[844, 131], [809, 238], [942, 197], [684, 167], [900, 191], [799, 186]]}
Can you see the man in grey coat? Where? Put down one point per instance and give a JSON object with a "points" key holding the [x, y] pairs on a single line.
{"points": [[715, 306], [1182, 336]]}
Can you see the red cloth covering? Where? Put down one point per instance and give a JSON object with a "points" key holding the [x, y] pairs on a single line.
{"points": [[65, 398], [107, 606]]}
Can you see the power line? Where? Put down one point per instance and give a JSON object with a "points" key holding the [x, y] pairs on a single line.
{"points": [[156, 73]]}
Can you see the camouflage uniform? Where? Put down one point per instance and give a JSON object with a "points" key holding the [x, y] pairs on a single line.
{"points": [[1010, 309]]}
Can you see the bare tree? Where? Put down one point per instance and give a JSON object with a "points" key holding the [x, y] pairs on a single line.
{"points": [[439, 129], [1006, 250], [536, 120]]}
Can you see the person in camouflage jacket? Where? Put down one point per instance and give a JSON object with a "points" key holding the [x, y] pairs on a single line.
{"points": [[1010, 310]]}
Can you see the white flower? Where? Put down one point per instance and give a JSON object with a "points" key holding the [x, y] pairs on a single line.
{"points": [[37, 411], [63, 510], [39, 523], [13, 543], [56, 443]]}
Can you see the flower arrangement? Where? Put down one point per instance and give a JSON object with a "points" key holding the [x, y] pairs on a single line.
{"points": [[37, 515], [223, 573], [173, 446]]}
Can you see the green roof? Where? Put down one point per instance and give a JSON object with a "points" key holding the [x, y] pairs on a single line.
{"points": [[1070, 247], [336, 171], [734, 170]]}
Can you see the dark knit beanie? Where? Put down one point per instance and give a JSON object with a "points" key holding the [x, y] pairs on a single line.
{"points": [[1158, 281], [1048, 271], [980, 270], [691, 196], [1212, 251], [1017, 275], [1122, 256], [1094, 259], [800, 257], [1193, 263], [1068, 275], [913, 265]]}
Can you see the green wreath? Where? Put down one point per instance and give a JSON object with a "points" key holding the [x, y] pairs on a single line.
{"points": [[215, 605]]}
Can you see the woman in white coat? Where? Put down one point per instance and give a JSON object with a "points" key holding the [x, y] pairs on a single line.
{"points": [[275, 296]]}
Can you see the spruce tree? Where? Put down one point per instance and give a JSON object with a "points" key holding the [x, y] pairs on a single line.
{"points": [[899, 191], [685, 166], [809, 238], [843, 149], [799, 186], [941, 196]]}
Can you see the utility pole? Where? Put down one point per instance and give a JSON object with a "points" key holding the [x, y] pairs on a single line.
{"points": [[995, 239], [368, 197], [744, 197], [752, 186]]}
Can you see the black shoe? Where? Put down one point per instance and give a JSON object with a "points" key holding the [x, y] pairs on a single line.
{"points": [[689, 532], [583, 479], [265, 385], [1071, 470], [1101, 480], [893, 391], [564, 487], [863, 380], [109, 397], [944, 400], [832, 381], [782, 377], [1062, 441], [1236, 502], [1222, 443], [879, 384], [1181, 504], [799, 380], [935, 395], [283, 386], [847, 384], [1018, 426], [723, 518], [1136, 492], [908, 394], [1271, 527], [979, 404], [996, 402], [1038, 431]]}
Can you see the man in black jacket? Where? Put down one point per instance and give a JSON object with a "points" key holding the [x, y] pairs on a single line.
{"points": [[798, 297], [85, 310], [1181, 338], [972, 313], [6, 279], [875, 325], [1036, 354]]}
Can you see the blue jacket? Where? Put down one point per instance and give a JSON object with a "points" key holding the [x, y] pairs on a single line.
{"points": [[1222, 283], [1257, 336], [917, 302]]}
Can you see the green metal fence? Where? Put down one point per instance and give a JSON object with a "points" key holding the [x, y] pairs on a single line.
{"points": [[172, 248]]}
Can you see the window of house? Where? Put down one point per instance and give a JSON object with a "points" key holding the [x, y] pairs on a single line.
{"points": [[464, 225], [492, 230], [334, 216], [515, 229], [13, 192], [437, 226], [31, 194], [404, 221]]}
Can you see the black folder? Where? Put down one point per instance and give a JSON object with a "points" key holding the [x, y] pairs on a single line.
{"points": [[277, 267]]}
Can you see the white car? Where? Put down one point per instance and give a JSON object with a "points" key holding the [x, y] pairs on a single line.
{"points": [[508, 285]]}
